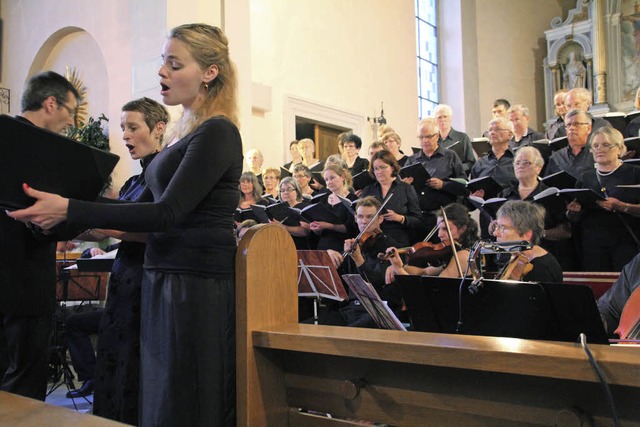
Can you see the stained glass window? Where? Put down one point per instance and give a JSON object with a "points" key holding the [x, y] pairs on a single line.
{"points": [[427, 53]]}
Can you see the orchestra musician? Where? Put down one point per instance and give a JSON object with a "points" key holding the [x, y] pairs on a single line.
{"points": [[611, 227], [464, 232], [402, 217], [363, 260], [613, 301], [518, 220]]}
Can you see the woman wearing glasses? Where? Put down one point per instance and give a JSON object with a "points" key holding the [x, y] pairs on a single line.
{"points": [[402, 215], [610, 227], [290, 193], [527, 164]]}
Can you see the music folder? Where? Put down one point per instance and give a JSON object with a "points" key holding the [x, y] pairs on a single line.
{"points": [[49, 162]]}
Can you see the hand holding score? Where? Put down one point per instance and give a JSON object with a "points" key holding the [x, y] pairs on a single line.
{"points": [[48, 211]]}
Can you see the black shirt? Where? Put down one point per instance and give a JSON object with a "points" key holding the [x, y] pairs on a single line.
{"points": [[462, 148], [565, 160]]}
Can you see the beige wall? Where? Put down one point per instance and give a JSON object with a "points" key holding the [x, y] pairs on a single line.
{"points": [[348, 55]]}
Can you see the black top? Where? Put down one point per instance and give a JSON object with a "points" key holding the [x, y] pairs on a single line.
{"points": [[556, 129], [463, 148], [633, 128], [331, 239], [565, 160], [526, 139], [192, 192], [546, 269], [551, 218], [603, 226], [500, 169], [359, 165], [403, 202], [612, 302]]}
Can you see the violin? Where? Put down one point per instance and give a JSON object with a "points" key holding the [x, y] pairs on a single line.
{"points": [[629, 326], [368, 240], [423, 254], [517, 267]]}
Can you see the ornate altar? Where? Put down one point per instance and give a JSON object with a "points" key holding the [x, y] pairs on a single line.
{"points": [[596, 47]]}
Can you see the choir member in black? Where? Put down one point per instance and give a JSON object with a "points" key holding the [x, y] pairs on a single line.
{"points": [[250, 191], [392, 141], [576, 157], [379, 146], [333, 235], [363, 260], [442, 164], [271, 180], [633, 128], [580, 99], [350, 154], [290, 193], [613, 301], [28, 260], [610, 229], [303, 176], [518, 220], [523, 135], [402, 217], [117, 374], [296, 158], [464, 231], [450, 137], [307, 149], [498, 163], [187, 378], [255, 159], [528, 163], [556, 129]]}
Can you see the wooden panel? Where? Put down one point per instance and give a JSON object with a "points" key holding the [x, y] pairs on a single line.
{"points": [[18, 411], [326, 139], [266, 295], [599, 282]]}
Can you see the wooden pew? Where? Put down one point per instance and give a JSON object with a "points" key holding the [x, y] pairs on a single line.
{"points": [[599, 282], [404, 378]]}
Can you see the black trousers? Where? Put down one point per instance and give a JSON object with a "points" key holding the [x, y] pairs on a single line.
{"points": [[187, 350], [27, 340], [79, 328]]}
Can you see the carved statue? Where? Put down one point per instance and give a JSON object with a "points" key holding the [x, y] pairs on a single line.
{"points": [[574, 73]]}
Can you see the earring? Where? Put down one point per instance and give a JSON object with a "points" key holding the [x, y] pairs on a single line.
{"points": [[206, 86]]}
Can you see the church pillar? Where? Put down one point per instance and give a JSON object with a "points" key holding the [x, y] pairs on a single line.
{"points": [[599, 57]]}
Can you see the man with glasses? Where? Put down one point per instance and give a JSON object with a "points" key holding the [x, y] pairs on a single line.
{"points": [[580, 99], [441, 164], [576, 157], [497, 163], [27, 261]]}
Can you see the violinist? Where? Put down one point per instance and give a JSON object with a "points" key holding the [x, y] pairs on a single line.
{"points": [[363, 259], [613, 301], [518, 220], [464, 231]]}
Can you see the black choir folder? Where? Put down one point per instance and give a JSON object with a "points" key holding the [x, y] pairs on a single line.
{"points": [[50, 162]]}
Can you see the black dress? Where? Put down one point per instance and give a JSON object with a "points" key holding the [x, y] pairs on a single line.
{"points": [[331, 239], [186, 378], [117, 376]]}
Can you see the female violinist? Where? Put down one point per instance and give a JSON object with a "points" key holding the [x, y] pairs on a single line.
{"points": [[517, 221], [464, 231]]}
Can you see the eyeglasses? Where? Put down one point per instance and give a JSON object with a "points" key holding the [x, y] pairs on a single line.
{"points": [[380, 168], [287, 190], [300, 176], [498, 130], [71, 111], [575, 125], [494, 226], [605, 146], [523, 163], [420, 137]]}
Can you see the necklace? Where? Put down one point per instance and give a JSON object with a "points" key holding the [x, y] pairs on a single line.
{"points": [[521, 187], [611, 171]]}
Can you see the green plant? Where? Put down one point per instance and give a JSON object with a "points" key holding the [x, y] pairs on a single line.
{"points": [[92, 133]]}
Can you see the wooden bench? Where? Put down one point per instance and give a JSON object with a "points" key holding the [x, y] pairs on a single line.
{"points": [[403, 378], [597, 281]]}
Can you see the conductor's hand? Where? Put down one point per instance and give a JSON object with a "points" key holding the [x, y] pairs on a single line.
{"points": [[48, 211], [336, 258]]}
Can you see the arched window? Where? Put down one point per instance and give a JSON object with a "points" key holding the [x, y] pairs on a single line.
{"points": [[427, 52]]}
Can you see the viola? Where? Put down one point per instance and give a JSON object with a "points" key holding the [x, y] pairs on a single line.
{"points": [[629, 326], [517, 267]]}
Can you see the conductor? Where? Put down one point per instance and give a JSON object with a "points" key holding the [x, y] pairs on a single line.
{"points": [[27, 258]]}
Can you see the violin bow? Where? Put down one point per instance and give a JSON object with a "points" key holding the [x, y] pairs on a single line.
{"points": [[453, 242], [359, 236]]}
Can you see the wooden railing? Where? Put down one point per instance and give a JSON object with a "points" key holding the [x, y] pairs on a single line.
{"points": [[404, 378]]}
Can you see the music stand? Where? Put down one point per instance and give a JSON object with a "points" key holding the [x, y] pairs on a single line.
{"points": [[318, 278], [379, 311], [542, 311]]}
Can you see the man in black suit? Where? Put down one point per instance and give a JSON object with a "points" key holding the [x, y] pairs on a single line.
{"points": [[27, 258]]}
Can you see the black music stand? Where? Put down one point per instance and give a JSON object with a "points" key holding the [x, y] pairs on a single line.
{"points": [[542, 311], [318, 278], [379, 311]]}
